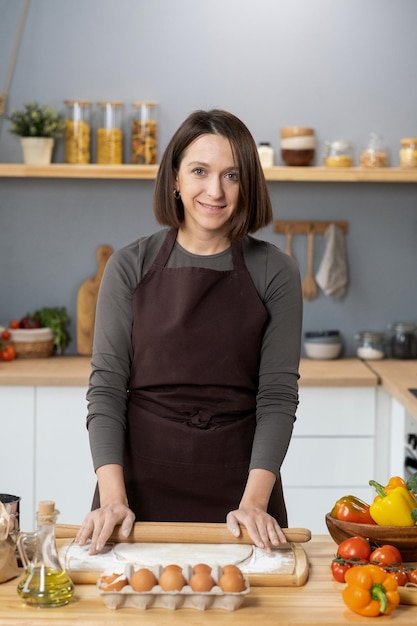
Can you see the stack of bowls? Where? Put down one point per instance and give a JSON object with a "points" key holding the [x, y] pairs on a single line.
{"points": [[323, 344], [297, 145]]}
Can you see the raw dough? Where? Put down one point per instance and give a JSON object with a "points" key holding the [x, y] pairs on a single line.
{"points": [[149, 554]]}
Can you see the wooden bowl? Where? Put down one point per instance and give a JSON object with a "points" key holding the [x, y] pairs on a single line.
{"points": [[402, 537]]}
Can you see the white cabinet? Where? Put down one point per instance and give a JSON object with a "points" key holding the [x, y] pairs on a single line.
{"points": [[17, 450], [44, 452], [64, 469], [331, 454]]}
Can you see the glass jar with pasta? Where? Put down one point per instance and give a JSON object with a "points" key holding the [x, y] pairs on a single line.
{"points": [[78, 131], [144, 133], [374, 154], [338, 153], [109, 133]]}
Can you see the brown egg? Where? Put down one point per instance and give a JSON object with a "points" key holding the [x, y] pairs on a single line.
{"points": [[177, 568], [202, 567], [232, 582], [143, 580], [202, 581], [113, 582], [172, 578], [226, 569]]}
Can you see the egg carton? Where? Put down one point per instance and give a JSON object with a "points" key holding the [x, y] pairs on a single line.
{"points": [[184, 599]]}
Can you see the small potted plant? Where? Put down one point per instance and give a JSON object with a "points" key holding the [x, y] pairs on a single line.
{"points": [[38, 126]]}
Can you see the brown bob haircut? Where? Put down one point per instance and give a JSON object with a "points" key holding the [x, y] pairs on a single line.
{"points": [[254, 210]]}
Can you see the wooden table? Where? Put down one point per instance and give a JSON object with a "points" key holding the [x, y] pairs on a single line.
{"points": [[318, 602]]}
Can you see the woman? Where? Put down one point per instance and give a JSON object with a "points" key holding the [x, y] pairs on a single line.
{"points": [[194, 382]]}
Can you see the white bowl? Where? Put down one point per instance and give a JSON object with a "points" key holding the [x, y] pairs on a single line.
{"points": [[322, 350], [30, 334]]}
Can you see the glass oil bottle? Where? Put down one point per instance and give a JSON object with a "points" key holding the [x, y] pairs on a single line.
{"points": [[44, 583]]}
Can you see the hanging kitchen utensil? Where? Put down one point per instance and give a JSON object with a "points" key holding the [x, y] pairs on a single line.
{"points": [[289, 233], [309, 286]]}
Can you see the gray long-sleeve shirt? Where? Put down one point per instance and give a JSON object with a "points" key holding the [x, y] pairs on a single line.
{"points": [[277, 280]]}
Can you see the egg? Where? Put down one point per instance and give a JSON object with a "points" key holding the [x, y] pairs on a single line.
{"points": [[226, 569], [143, 580], [202, 581], [231, 582], [172, 578], [113, 582], [201, 567]]}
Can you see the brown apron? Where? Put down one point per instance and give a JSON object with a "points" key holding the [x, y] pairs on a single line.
{"points": [[196, 337]]}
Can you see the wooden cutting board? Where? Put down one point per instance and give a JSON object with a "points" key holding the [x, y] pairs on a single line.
{"points": [[292, 569], [87, 301]]}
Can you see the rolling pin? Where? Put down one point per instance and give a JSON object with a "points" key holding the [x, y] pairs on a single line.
{"points": [[182, 532]]}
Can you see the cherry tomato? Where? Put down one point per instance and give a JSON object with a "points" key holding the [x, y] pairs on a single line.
{"points": [[339, 570], [399, 573], [356, 548], [14, 324], [5, 335], [8, 353], [412, 576], [386, 555]]}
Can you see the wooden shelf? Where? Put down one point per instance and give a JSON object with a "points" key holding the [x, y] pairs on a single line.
{"points": [[148, 172], [62, 170]]}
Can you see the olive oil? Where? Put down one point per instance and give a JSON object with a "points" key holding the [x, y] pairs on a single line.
{"points": [[44, 586], [45, 583]]}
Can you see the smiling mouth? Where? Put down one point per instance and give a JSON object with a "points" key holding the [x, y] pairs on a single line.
{"points": [[212, 207]]}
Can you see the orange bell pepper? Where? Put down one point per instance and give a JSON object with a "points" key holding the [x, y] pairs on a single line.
{"points": [[370, 591]]}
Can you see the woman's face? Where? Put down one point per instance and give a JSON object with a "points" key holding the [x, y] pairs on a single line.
{"points": [[208, 180]]}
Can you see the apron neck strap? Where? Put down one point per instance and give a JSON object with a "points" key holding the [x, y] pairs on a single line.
{"points": [[169, 242]]}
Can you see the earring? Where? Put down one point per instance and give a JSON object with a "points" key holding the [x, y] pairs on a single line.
{"points": [[177, 194]]}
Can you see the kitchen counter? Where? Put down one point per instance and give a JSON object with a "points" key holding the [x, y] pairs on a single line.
{"points": [[72, 371], [318, 602], [397, 378]]}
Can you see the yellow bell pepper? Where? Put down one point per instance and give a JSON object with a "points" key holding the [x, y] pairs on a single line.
{"points": [[393, 504]]}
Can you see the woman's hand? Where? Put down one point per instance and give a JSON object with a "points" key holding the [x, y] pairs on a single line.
{"points": [[262, 528], [99, 525], [114, 509]]}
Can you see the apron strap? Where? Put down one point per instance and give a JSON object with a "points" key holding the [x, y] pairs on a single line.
{"points": [[165, 251]]}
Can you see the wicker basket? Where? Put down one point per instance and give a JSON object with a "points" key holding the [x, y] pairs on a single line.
{"points": [[34, 349]]}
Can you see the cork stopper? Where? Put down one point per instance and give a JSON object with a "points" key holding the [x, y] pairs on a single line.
{"points": [[46, 507]]}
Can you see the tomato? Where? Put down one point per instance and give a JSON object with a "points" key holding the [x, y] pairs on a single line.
{"points": [[412, 576], [399, 573], [355, 548], [8, 353], [386, 555], [5, 335], [14, 324], [339, 570]]}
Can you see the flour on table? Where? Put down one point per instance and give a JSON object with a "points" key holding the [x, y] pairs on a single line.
{"points": [[249, 559]]}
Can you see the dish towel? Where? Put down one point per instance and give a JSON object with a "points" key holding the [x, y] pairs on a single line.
{"points": [[332, 275]]}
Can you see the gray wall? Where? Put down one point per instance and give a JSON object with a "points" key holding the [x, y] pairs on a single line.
{"points": [[345, 67]]}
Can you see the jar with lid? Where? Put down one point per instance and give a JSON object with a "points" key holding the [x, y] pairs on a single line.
{"points": [[371, 345], [78, 131], [403, 340], [338, 153], [408, 152], [374, 154], [298, 145], [266, 154], [109, 133], [144, 133]]}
